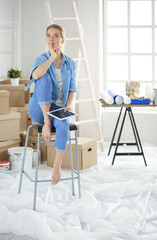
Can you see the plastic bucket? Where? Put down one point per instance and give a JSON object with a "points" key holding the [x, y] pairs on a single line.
{"points": [[16, 156], [34, 157], [4, 165]]}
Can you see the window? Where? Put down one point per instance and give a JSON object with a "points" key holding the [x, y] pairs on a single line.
{"points": [[130, 40]]}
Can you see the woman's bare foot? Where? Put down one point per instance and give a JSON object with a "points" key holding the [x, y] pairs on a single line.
{"points": [[56, 174]]}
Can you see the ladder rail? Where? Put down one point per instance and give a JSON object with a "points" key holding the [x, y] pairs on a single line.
{"points": [[94, 106]]}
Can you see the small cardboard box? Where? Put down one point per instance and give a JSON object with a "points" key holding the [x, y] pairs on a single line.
{"points": [[25, 81], [4, 102], [4, 146], [32, 131], [17, 94], [32, 142], [23, 119], [10, 126], [87, 150], [22, 137]]}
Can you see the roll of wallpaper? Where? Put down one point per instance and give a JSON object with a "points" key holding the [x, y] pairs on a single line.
{"points": [[107, 98], [117, 98], [126, 99]]}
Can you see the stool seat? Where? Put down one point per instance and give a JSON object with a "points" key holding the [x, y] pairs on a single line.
{"points": [[38, 127]]}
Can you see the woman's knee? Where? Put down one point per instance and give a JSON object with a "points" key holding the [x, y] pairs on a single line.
{"points": [[63, 124], [43, 90], [44, 82]]}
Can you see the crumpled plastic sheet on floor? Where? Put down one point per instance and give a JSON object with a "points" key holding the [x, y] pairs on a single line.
{"points": [[118, 203]]}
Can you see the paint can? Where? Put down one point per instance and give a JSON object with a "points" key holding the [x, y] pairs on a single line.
{"points": [[4, 165], [16, 156]]}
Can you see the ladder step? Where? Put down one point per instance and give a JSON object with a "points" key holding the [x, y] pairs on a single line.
{"points": [[82, 79], [73, 39], [86, 121], [64, 18], [77, 59], [7, 22], [84, 100], [100, 141], [5, 52], [6, 30]]}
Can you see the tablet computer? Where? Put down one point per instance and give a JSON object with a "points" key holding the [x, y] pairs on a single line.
{"points": [[60, 114]]}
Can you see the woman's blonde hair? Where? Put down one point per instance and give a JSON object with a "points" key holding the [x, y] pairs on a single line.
{"points": [[58, 27]]}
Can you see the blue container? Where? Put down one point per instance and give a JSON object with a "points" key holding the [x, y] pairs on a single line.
{"points": [[140, 101]]}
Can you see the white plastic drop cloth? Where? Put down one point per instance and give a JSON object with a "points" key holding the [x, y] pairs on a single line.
{"points": [[118, 202]]}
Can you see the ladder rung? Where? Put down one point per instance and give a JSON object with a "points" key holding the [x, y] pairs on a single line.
{"points": [[77, 59], [7, 22], [73, 39], [86, 121], [100, 141], [5, 52], [6, 30], [84, 100], [64, 18], [82, 79]]}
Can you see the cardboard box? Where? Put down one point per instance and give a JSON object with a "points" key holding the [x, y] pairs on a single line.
{"points": [[10, 126], [17, 94], [23, 119], [32, 142], [4, 102], [4, 146], [22, 137], [87, 150], [32, 131], [25, 81]]}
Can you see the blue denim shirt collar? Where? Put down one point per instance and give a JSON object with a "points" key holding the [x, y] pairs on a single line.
{"points": [[65, 59]]}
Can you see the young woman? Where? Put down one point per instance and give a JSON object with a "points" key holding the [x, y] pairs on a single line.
{"points": [[54, 77]]}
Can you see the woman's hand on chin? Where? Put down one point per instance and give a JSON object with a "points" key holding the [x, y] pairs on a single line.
{"points": [[54, 52]]}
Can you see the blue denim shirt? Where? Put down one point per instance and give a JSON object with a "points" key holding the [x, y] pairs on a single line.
{"points": [[68, 70]]}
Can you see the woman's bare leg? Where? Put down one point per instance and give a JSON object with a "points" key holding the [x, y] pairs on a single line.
{"points": [[56, 176], [46, 130]]}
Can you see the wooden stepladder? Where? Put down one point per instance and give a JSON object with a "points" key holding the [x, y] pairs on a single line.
{"points": [[81, 59]]}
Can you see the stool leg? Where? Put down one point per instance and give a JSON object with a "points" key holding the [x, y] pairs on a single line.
{"points": [[77, 158], [36, 173], [71, 165], [23, 160]]}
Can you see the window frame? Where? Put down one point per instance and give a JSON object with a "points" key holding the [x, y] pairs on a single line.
{"points": [[129, 54]]}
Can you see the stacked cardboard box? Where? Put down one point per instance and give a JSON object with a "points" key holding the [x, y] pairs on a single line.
{"points": [[17, 94], [9, 126], [4, 100], [32, 140], [87, 151], [25, 81], [23, 119]]}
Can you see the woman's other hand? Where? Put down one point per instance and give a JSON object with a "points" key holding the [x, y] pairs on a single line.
{"points": [[68, 108], [46, 132]]}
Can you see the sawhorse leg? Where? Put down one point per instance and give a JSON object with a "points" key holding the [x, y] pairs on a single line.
{"points": [[136, 135], [120, 132], [115, 130]]}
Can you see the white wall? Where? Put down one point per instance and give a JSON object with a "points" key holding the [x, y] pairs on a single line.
{"points": [[9, 36], [145, 121]]}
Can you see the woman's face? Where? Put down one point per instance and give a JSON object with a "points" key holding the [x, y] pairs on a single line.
{"points": [[54, 38]]}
